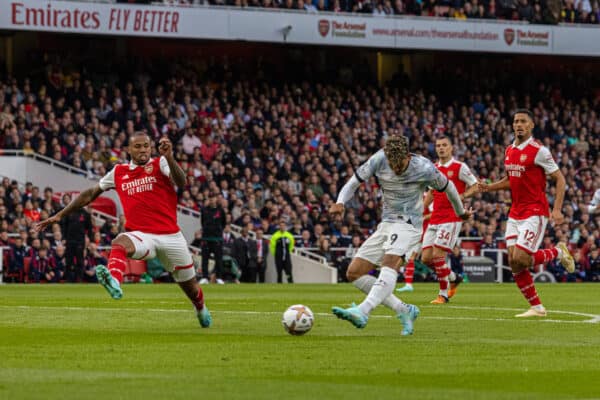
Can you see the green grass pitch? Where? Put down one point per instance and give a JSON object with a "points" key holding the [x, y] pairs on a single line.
{"points": [[74, 342]]}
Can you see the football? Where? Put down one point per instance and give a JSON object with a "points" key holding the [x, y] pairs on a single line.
{"points": [[297, 320]]}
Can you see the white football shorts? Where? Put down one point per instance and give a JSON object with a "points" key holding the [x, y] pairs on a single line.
{"points": [[171, 250], [397, 238], [526, 234]]}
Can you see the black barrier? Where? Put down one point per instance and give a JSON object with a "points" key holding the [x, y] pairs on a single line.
{"points": [[479, 269]]}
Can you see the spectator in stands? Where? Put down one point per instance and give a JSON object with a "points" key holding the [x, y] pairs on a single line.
{"points": [[190, 142], [262, 251], [281, 246], [51, 272], [489, 243], [325, 251], [92, 258], [75, 227], [60, 261], [4, 240], [244, 251], [16, 267], [305, 240], [594, 264], [213, 222], [41, 267]]}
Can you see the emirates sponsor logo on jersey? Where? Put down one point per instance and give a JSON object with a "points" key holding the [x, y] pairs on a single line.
{"points": [[139, 185], [515, 170]]}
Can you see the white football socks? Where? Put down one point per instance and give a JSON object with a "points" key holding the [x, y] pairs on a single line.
{"points": [[381, 289], [365, 283]]}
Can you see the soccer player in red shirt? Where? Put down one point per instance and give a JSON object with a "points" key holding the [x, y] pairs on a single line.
{"points": [[444, 225], [527, 162], [145, 188]]}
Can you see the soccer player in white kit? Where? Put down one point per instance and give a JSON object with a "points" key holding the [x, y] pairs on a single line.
{"points": [[403, 178], [145, 188]]}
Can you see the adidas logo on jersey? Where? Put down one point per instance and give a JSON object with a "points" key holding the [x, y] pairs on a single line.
{"points": [[125, 176]]}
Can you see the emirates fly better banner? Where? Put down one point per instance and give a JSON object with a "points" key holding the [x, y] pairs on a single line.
{"points": [[317, 29]]}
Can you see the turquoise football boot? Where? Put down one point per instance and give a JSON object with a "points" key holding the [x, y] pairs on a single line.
{"points": [[112, 286], [352, 314], [408, 319], [204, 317]]}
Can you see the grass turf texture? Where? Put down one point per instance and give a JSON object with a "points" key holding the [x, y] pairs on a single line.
{"points": [[74, 342]]}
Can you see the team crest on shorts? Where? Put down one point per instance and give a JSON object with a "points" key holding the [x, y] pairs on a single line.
{"points": [[523, 157], [149, 168]]}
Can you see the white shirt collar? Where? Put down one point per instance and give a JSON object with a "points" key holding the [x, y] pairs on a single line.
{"points": [[525, 143], [133, 166], [450, 161]]}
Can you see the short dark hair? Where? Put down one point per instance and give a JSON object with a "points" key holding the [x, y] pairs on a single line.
{"points": [[139, 133], [444, 137], [523, 111]]}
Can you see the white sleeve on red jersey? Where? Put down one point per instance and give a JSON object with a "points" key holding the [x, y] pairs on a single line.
{"points": [[108, 181], [465, 175], [164, 167], [545, 160]]}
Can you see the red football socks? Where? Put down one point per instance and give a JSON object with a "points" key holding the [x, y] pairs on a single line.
{"points": [[117, 261], [409, 272], [442, 271], [544, 256], [198, 302], [524, 281]]}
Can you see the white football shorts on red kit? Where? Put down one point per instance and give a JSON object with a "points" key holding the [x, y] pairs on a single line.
{"points": [[171, 250]]}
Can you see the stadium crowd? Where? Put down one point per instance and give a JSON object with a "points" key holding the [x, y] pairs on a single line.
{"points": [[533, 11], [281, 151]]}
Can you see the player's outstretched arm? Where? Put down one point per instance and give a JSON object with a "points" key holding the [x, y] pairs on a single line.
{"points": [[471, 190], [345, 195], [502, 184], [84, 198]]}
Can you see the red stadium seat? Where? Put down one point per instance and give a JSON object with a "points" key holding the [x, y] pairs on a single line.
{"points": [[470, 248], [105, 205], [135, 269]]}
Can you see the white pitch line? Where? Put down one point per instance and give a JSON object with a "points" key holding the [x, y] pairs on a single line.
{"points": [[592, 317]]}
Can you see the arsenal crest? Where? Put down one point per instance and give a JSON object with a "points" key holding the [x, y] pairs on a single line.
{"points": [[324, 27], [509, 36], [149, 168], [450, 174], [523, 158]]}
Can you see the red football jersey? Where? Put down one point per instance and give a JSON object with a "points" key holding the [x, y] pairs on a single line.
{"points": [[527, 166], [147, 195], [461, 176]]}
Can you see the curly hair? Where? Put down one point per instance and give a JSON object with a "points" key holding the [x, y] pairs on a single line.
{"points": [[396, 149]]}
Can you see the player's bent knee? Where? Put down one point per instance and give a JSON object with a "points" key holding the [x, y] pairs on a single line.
{"points": [[124, 241], [351, 276]]}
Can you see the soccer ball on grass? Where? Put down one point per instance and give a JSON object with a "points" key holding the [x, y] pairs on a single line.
{"points": [[297, 320]]}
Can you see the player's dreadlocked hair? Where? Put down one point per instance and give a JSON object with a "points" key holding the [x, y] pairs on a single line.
{"points": [[396, 149]]}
